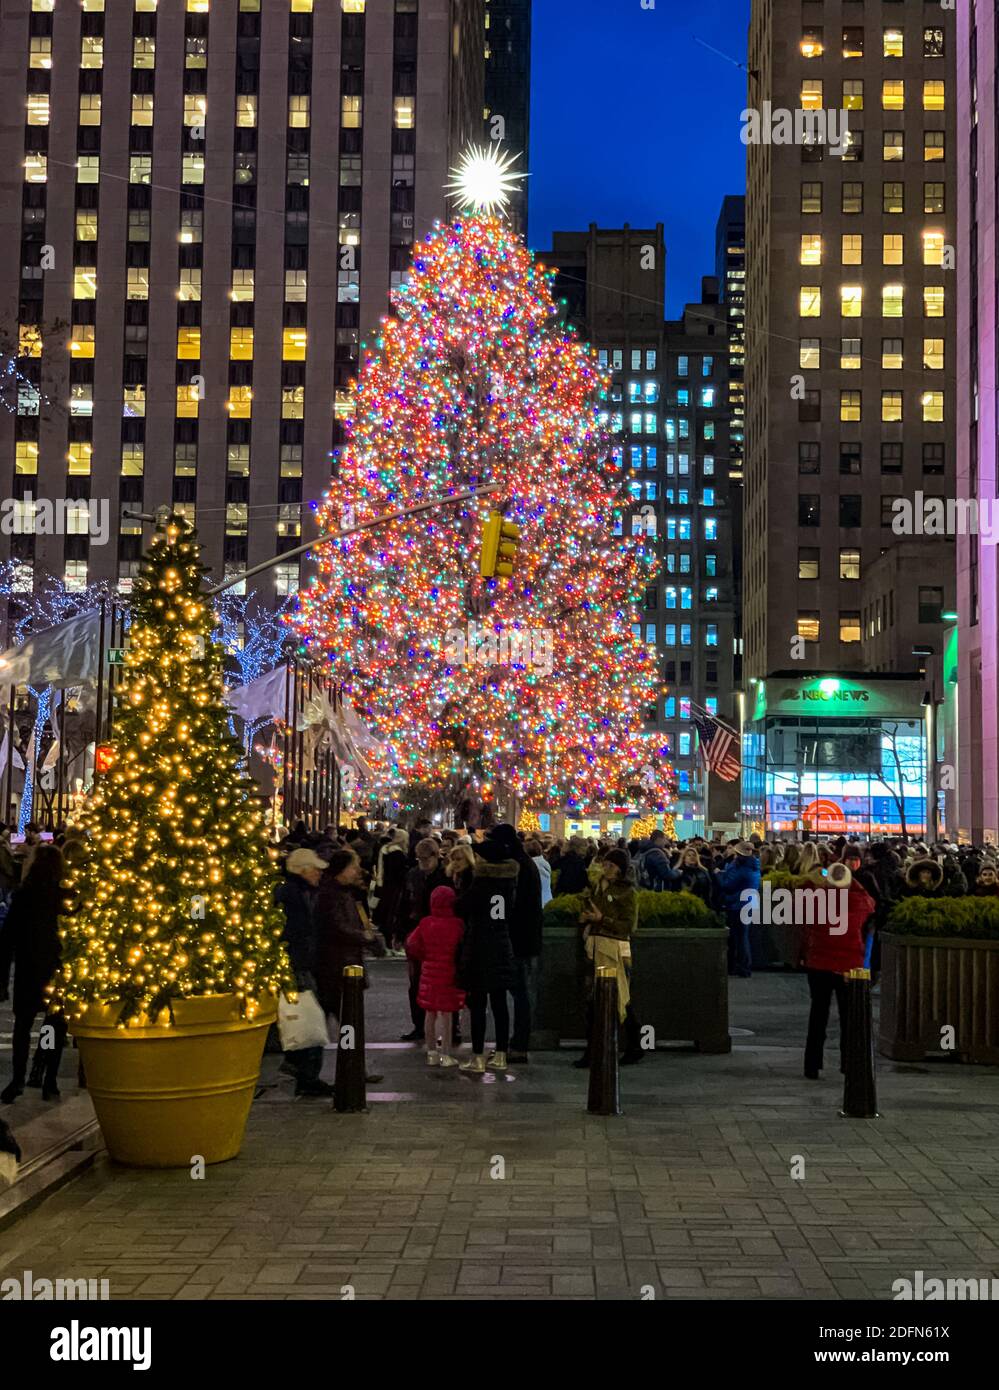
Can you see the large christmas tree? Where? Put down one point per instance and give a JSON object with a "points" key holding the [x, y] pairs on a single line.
{"points": [[540, 681], [172, 895]]}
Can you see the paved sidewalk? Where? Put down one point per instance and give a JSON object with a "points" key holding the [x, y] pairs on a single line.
{"points": [[455, 1186]]}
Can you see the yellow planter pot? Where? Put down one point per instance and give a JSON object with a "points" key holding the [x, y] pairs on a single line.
{"points": [[167, 1095]]}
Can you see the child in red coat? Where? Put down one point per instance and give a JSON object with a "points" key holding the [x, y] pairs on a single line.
{"points": [[435, 944]]}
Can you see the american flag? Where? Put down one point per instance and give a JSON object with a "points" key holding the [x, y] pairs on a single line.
{"points": [[719, 744]]}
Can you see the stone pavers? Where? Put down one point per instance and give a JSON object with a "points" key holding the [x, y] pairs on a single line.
{"points": [[502, 1187]]}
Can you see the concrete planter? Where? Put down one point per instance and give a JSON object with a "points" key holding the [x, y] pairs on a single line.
{"points": [[773, 947], [679, 985], [929, 984]]}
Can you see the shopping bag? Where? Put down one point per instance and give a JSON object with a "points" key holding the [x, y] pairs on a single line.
{"points": [[302, 1024]]}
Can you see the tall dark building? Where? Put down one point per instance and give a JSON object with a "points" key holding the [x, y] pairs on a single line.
{"points": [[508, 89], [730, 272], [668, 412], [242, 180]]}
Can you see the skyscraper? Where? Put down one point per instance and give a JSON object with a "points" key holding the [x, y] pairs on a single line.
{"points": [[508, 89], [730, 272], [850, 365], [977, 374], [211, 200], [668, 416]]}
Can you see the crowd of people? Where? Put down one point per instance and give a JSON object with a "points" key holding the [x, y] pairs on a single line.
{"points": [[465, 910]]}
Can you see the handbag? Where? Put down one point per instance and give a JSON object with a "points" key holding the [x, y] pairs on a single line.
{"points": [[301, 1024]]}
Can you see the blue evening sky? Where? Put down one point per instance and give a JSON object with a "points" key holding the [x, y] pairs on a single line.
{"points": [[633, 120]]}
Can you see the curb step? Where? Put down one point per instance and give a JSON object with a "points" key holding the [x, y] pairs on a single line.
{"points": [[57, 1147]]}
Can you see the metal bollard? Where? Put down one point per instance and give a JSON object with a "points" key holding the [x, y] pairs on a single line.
{"points": [[604, 1096], [349, 1094], [860, 1097]]}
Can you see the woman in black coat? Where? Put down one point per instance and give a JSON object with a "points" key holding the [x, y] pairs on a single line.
{"points": [[486, 965], [29, 938], [694, 878]]}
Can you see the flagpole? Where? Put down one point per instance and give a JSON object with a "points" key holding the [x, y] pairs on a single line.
{"points": [[707, 796]]}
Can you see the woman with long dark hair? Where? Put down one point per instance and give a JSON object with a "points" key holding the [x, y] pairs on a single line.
{"points": [[29, 939]]}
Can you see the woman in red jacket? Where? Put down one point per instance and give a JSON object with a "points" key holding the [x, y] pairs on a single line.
{"points": [[434, 943], [831, 950]]}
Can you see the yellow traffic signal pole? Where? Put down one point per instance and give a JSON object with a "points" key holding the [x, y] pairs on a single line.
{"points": [[337, 535]]}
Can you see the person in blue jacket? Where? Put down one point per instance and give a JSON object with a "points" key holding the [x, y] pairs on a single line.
{"points": [[741, 872]]}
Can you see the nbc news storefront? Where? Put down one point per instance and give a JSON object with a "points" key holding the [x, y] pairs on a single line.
{"points": [[835, 755]]}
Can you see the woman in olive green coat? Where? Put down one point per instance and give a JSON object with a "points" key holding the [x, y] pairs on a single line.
{"points": [[609, 916]]}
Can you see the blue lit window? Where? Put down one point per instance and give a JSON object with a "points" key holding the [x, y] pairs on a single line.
{"points": [[671, 562], [602, 357], [711, 565], [635, 489], [617, 456], [684, 427], [685, 528], [685, 634], [671, 528], [670, 707], [686, 597], [617, 359], [685, 562], [635, 453], [708, 497], [670, 429], [650, 633], [651, 392], [616, 422], [707, 366], [683, 396], [685, 707], [671, 463], [684, 497], [635, 392], [683, 779], [670, 631], [636, 631], [650, 359], [651, 456], [711, 704], [685, 744], [636, 422], [710, 528], [708, 397], [711, 635], [651, 422], [670, 596], [709, 429], [711, 595], [682, 366], [708, 465], [684, 464]]}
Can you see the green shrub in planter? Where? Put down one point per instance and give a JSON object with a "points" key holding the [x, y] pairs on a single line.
{"points": [[972, 918], [662, 910], [780, 878]]}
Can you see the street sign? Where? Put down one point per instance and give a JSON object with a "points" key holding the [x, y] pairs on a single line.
{"points": [[116, 656]]}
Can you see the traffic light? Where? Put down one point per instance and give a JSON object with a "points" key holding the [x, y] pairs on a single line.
{"points": [[499, 547]]}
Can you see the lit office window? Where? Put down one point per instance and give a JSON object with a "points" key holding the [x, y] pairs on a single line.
{"points": [[892, 248], [933, 301], [809, 354], [810, 301], [891, 354], [893, 94], [849, 405], [811, 249], [851, 301], [893, 45], [933, 246], [892, 301], [850, 354], [933, 95], [891, 406], [933, 406], [933, 354]]}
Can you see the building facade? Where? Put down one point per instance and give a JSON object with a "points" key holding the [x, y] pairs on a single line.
{"points": [[211, 200], [730, 272], [977, 383], [668, 415], [851, 221], [508, 91]]}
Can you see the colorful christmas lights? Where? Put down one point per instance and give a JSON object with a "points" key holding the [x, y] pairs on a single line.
{"points": [[536, 682]]}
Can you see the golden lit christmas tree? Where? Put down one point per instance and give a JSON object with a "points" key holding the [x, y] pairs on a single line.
{"points": [[173, 896]]}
